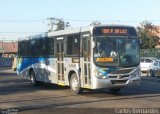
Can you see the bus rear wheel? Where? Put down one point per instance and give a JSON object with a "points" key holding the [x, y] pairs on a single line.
{"points": [[75, 84], [33, 80]]}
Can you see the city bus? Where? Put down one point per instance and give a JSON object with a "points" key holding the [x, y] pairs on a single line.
{"points": [[93, 57]]}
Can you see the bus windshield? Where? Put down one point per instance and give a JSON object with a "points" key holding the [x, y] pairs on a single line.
{"points": [[116, 51]]}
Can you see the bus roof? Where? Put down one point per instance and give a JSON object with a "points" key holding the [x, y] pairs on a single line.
{"points": [[82, 29], [71, 31]]}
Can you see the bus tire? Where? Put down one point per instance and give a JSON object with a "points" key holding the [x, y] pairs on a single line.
{"points": [[75, 84], [33, 80], [150, 73]]}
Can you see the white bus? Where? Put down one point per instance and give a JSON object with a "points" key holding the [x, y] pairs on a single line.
{"points": [[94, 57]]}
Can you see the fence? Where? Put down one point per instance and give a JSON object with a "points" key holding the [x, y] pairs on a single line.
{"points": [[150, 53], [5, 62]]}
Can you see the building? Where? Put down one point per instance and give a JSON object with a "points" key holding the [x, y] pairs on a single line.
{"points": [[8, 49]]}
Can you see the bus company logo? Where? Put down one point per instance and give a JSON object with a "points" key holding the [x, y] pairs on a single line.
{"points": [[119, 77]]}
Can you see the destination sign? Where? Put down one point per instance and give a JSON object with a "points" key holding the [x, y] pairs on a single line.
{"points": [[109, 59], [114, 31]]}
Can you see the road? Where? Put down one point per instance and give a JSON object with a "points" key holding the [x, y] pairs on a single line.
{"points": [[17, 94]]}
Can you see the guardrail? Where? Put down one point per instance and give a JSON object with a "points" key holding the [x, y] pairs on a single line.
{"points": [[5, 62]]}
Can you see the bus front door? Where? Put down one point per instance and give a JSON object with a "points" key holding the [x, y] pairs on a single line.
{"points": [[86, 72], [60, 62]]}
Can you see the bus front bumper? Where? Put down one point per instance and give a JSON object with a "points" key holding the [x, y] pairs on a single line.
{"points": [[115, 83]]}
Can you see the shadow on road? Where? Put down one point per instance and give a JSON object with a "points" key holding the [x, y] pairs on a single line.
{"points": [[144, 89], [11, 84], [24, 86]]}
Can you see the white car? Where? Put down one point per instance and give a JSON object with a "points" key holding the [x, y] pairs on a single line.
{"points": [[154, 69], [150, 65]]}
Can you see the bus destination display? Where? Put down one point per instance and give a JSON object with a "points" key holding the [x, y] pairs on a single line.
{"points": [[114, 31]]}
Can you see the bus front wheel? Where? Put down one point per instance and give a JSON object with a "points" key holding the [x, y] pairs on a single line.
{"points": [[75, 84]]}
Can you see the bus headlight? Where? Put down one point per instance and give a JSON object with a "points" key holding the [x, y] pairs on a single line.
{"points": [[100, 75], [136, 73]]}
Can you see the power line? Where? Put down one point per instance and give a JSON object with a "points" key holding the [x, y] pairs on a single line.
{"points": [[82, 20], [22, 32], [78, 20], [21, 21]]}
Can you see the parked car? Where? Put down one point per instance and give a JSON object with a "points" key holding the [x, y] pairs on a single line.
{"points": [[150, 66], [154, 69]]}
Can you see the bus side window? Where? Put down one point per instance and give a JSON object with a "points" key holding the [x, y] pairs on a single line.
{"points": [[33, 47], [41, 47], [24, 48], [86, 48], [50, 46], [73, 45]]}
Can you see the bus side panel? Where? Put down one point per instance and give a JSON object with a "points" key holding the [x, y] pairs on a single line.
{"points": [[71, 65], [23, 65], [44, 69]]}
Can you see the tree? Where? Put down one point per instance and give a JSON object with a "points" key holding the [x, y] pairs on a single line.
{"points": [[148, 35], [95, 23], [61, 24]]}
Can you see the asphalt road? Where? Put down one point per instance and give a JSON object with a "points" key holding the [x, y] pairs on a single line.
{"points": [[18, 95]]}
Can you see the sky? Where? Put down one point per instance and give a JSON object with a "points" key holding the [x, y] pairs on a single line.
{"points": [[20, 18]]}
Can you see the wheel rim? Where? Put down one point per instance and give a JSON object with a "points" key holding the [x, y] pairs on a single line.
{"points": [[32, 79], [74, 83]]}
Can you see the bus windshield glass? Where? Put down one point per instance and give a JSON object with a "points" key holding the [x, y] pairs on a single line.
{"points": [[116, 51]]}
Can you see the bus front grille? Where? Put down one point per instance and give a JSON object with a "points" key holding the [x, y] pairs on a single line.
{"points": [[121, 71], [118, 81], [118, 77]]}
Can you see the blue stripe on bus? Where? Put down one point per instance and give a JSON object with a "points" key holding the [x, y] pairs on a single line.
{"points": [[23, 63], [106, 71]]}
